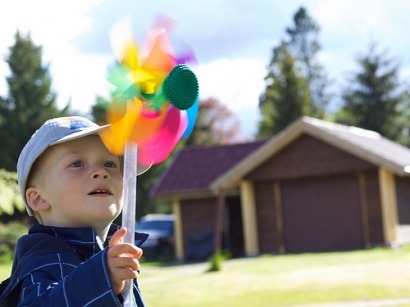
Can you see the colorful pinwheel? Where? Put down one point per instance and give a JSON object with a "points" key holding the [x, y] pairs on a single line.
{"points": [[155, 100], [155, 104]]}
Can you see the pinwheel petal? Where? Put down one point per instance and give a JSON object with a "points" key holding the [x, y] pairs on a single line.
{"points": [[158, 148], [155, 96], [192, 114], [119, 132]]}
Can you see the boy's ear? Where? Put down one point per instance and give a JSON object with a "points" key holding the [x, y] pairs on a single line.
{"points": [[35, 201]]}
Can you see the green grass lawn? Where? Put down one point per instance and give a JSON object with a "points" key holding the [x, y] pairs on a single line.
{"points": [[278, 280], [282, 280]]}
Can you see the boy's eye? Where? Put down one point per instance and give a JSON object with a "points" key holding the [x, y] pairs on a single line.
{"points": [[77, 164], [110, 164]]}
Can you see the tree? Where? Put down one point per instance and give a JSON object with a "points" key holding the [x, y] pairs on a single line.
{"points": [[10, 199], [286, 97], [304, 46], [374, 99], [215, 124], [29, 102], [99, 110]]}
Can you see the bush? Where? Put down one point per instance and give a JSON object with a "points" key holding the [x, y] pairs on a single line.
{"points": [[9, 234], [216, 261], [6, 254], [10, 199]]}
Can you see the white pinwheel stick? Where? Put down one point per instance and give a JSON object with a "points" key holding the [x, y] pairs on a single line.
{"points": [[129, 207], [120, 36]]}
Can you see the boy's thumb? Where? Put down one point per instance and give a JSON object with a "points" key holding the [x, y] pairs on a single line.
{"points": [[118, 236]]}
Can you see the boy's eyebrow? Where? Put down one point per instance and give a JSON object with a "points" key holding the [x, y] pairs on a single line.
{"points": [[78, 151], [67, 154]]}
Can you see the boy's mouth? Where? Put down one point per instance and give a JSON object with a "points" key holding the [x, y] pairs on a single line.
{"points": [[100, 191]]}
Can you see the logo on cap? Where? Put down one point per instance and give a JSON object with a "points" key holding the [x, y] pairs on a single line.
{"points": [[74, 123]]}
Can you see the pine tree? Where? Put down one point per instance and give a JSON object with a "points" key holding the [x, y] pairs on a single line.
{"points": [[286, 97], [304, 46], [374, 99], [29, 102], [99, 110]]}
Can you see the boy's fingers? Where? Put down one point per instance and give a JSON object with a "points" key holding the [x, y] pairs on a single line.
{"points": [[129, 263], [126, 273], [118, 236], [125, 249]]}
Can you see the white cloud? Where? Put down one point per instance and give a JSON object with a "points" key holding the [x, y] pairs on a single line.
{"points": [[81, 80], [233, 44], [52, 25], [236, 83], [50, 22]]}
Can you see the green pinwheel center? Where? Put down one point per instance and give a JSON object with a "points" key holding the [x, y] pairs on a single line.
{"points": [[181, 87]]}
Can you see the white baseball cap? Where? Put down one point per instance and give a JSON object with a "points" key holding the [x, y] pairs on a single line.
{"points": [[53, 131]]}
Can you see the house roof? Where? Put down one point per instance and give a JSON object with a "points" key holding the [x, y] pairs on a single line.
{"points": [[365, 144], [195, 168]]}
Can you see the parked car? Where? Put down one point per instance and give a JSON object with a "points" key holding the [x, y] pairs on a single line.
{"points": [[160, 228]]}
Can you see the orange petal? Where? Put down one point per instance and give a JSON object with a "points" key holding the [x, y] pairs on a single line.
{"points": [[117, 135], [147, 125]]}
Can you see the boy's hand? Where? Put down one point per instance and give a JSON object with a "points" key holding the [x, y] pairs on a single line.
{"points": [[122, 259]]}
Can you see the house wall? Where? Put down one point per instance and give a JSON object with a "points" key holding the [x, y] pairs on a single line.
{"points": [[197, 216], [403, 208], [305, 158], [403, 199], [371, 205], [266, 212]]}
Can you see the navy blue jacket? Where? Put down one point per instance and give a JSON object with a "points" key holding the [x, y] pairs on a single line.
{"points": [[58, 266]]}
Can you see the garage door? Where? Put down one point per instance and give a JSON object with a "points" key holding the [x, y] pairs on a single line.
{"points": [[321, 214]]}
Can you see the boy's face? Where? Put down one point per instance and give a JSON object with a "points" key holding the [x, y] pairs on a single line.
{"points": [[79, 183]]}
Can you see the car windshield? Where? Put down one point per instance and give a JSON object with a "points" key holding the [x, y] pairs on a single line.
{"points": [[158, 225]]}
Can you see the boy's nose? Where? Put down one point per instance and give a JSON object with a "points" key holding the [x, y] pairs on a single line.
{"points": [[101, 173]]}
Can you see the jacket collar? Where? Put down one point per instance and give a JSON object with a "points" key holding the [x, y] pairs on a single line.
{"points": [[84, 240]]}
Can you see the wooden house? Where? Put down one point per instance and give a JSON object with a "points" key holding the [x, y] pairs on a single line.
{"points": [[317, 186]]}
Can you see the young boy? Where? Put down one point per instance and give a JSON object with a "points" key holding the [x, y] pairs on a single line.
{"points": [[75, 256]]}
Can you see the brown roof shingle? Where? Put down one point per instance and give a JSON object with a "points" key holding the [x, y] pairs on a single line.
{"points": [[194, 168]]}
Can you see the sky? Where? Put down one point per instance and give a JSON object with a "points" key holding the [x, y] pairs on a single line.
{"points": [[232, 41]]}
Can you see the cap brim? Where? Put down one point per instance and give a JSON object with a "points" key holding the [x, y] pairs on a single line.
{"points": [[80, 134]]}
